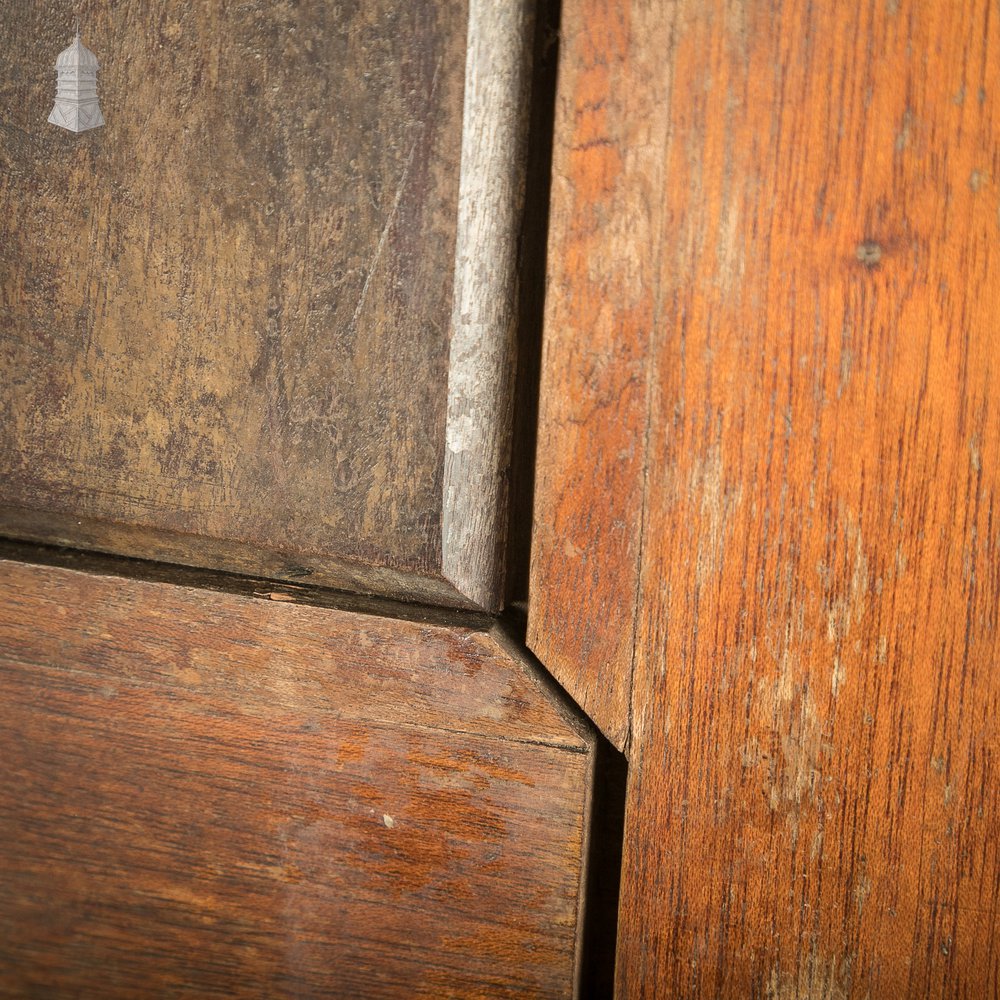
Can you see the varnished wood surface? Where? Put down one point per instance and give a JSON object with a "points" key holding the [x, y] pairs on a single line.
{"points": [[811, 286], [211, 795], [227, 313]]}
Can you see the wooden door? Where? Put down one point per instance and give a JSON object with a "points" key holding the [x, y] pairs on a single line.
{"points": [[247, 334]]}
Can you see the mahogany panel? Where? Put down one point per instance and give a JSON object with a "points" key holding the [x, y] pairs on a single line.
{"points": [[212, 795], [812, 807]]}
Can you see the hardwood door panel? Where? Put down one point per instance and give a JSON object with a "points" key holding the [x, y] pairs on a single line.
{"points": [[244, 323], [812, 734], [208, 795]]}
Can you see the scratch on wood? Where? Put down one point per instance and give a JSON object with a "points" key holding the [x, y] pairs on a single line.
{"points": [[401, 187]]}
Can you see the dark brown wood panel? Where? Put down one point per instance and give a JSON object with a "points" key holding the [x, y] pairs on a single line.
{"points": [[812, 810], [228, 313], [212, 795]]}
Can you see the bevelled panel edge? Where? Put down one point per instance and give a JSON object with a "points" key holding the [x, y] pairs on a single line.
{"points": [[483, 329]]}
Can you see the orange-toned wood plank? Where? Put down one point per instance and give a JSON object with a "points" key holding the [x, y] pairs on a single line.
{"points": [[814, 810], [599, 310], [210, 795]]}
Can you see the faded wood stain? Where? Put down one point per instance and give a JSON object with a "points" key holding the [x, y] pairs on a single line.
{"points": [[228, 312]]}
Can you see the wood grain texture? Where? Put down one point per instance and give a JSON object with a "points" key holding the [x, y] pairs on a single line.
{"points": [[210, 795], [227, 313], [812, 809], [593, 406], [482, 359]]}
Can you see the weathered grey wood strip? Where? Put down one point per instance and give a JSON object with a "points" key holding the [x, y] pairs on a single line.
{"points": [[483, 346]]}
